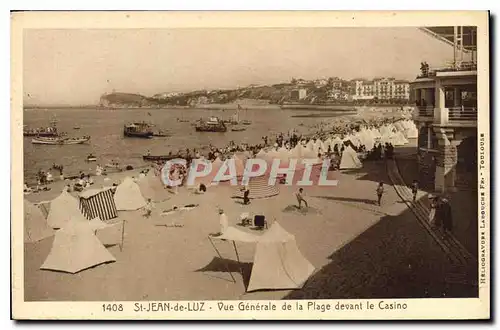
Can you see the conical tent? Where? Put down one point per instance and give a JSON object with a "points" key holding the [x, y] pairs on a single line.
{"points": [[35, 225], [349, 159], [152, 187], [76, 248], [278, 263], [128, 196], [62, 208]]}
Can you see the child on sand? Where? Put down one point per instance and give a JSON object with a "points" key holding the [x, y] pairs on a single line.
{"points": [[148, 208], [380, 192]]}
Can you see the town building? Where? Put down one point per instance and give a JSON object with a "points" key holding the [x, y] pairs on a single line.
{"points": [[380, 89], [298, 94], [446, 116]]}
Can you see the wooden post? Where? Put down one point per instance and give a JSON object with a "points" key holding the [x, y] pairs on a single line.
{"points": [[239, 262], [123, 234], [227, 268]]}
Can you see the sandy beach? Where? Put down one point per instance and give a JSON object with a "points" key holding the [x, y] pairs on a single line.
{"points": [[179, 263]]}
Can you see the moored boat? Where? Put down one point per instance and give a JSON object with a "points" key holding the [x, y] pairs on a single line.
{"points": [[91, 158], [213, 124], [153, 158], [238, 129], [60, 141], [138, 130]]}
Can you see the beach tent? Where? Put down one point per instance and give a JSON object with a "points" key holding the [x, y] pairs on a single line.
{"points": [[349, 159], [62, 208], [278, 263], [259, 188], [98, 203], [35, 225], [152, 187], [76, 248], [128, 196]]}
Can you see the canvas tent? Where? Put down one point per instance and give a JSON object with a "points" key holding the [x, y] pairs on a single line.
{"points": [[349, 159], [278, 262], [128, 196], [35, 225], [152, 187], [76, 248], [259, 188], [62, 208]]}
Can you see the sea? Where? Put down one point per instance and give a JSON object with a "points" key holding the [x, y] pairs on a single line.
{"points": [[105, 126]]}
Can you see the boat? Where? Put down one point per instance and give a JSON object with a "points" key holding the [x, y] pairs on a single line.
{"points": [[60, 141], [91, 158], [153, 158], [138, 130], [238, 129], [76, 127], [213, 124], [161, 134], [246, 122], [112, 165]]}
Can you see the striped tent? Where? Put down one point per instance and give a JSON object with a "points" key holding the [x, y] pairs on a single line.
{"points": [[259, 188], [98, 203]]}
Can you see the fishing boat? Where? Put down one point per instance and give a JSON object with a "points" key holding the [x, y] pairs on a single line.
{"points": [[60, 141], [153, 158], [213, 124], [138, 130]]}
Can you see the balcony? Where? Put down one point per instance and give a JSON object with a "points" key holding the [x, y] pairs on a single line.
{"points": [[457, 115], [457, 67]]}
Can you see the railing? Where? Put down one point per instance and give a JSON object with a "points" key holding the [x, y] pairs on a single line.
{"points": [[464, 66], [425, 111], [462, 114]]}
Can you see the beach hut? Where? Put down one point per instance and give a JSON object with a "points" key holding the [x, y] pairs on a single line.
{"points": [[259, 188], [76, 248], [98, 203], [278, 263], [35, 225], [62, 208], [349, 159], [152, 187], [128, 196]]}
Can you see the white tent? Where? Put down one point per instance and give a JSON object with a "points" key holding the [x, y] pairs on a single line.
{"points": [[128, 196], [349, 159], [35, 225], [76, 248], [152, 187], [62, 208], [278, 262]]}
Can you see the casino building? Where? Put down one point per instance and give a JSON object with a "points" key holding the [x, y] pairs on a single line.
{"points": [[446, 113]]}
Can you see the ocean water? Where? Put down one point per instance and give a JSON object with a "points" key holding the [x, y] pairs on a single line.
{"points": [[108, 143]]}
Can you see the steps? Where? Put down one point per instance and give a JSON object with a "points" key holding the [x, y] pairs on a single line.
{"points": [[454, 250]]}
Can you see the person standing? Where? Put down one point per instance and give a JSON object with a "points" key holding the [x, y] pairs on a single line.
{"points": [[380, 192], [432, 213], [447, 218], [414, 190], [246, 194], [300, 197], [224, 223]]}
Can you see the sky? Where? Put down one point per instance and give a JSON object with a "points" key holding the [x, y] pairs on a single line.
{"points": [[76, 66]]}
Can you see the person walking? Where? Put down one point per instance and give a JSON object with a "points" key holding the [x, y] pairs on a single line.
{"points": [[432, 213], [447, 218], [246, 194], [224, 223], [414, 190], [148, 208], [300, 197], [380, 192]]}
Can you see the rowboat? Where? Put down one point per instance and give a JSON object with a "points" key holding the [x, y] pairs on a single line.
{"points": [[153, 158], [91, 158], [60, 141], [238, 129]]}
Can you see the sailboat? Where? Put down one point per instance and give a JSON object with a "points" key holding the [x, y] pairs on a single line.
{"points": [[245, 121]]}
